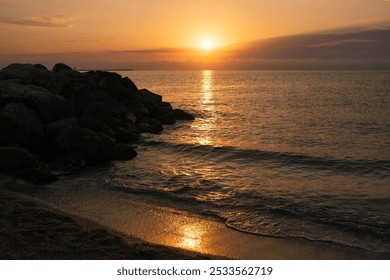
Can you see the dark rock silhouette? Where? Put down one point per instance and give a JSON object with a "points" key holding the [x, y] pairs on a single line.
{"points": [[20, 125], [13, 159], [37, 175], [60, 66], [149, 124], [182, 115], [54, 128], [79, 117], [27, 73], [124, 152], [96, 147], [48, 106]]}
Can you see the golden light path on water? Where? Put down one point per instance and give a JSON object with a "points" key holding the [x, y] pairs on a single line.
{"points": [[207, 124]]}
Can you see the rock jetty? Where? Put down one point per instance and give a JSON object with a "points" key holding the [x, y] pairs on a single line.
{"points": [[74, 117]]}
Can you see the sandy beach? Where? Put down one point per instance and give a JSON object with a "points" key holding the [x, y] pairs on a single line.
{"points": [[101, 224], [33, 231]]}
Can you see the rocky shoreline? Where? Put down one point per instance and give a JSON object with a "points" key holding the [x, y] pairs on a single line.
{"points": [[75, 118]]}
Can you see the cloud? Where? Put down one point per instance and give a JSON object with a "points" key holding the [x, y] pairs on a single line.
{"points": [[159, 51], [57, 21], [368, 45]]}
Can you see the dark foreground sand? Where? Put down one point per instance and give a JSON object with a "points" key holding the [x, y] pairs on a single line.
{"points": [[32, 231]]}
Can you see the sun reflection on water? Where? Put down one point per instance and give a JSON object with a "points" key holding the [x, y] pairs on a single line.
{"points": [[207, 83], [206, 125], [191, 236]]}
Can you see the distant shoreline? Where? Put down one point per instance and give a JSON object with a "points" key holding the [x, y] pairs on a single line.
{"points": [[108, 69]]}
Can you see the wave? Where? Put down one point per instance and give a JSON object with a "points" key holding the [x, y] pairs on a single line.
{"points": [[278, 159], [277, 217]]}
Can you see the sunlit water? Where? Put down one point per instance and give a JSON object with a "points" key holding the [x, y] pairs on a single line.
{"points": [[286, 154]]}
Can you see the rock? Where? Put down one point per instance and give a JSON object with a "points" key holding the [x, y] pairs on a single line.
{"points": [[101, 95], [124, 93], [106, 109], [29, 73], [148, 96], [37, 176], [124, 152], [153, 109], [81, 99], [96, 124], [54, 128], [124, 132], [110, 83], [59, 67], [182, 115], [20, 125], [97, 147], [126, 82], [40, 66], [12, 81], [49, 107], [149, 124], [114, 85], [59, 83], [137, 108], [166, 106], [99, 75], [14, 159], [130, 118], [167, 118]]}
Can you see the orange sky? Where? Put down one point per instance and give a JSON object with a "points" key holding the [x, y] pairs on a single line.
{"points": [[66, 26]]}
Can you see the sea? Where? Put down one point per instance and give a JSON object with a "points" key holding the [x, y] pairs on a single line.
{"points": [[287, 154]]}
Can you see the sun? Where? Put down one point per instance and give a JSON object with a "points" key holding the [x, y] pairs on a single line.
{"points": [[207, 44]]}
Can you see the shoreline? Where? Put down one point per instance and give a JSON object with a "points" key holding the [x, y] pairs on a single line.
{"points": [[33, 231], [176, 234]]}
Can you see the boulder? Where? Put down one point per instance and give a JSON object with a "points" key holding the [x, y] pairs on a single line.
{"points": [[101, 95], [126, 82], [81, 99], [20, 125], [37, 176], [149, 124], [60, 67], [40, 66], [96, 147], [54, 128], [130, 118], [30, 74], [182, 115], [60, 83], [153, 109], [137, 108], [167, 118], [12, 81], [110, 83], [49, 107], [124, 152], [166, 106], [124, 93], [96, 124], [14, 159], [99, 75], [124, 131], [148, 96], [106, 109]]}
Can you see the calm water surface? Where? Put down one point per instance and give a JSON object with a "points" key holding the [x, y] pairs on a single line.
{"points": [[279, 153]]}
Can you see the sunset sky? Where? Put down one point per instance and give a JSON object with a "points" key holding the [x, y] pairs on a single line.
{"points": [[122, 33]]}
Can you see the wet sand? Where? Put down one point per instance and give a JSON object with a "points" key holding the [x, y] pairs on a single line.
{"points": [[33, 231], [94, 223]]}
